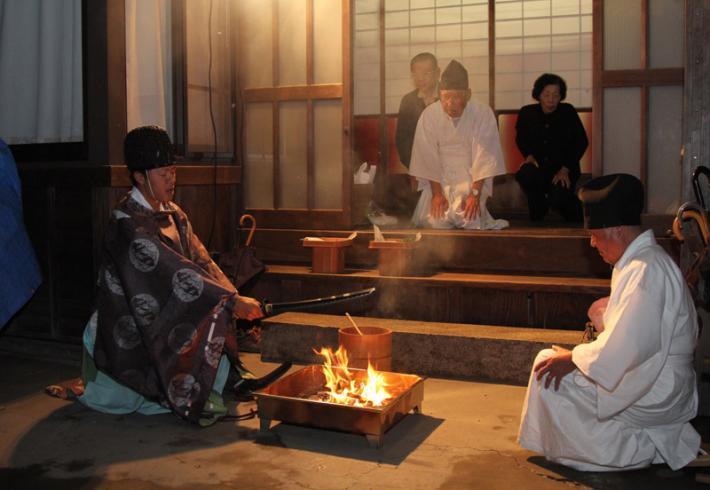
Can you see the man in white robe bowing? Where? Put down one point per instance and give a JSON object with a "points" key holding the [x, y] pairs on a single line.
{"points": [[624, 400], [455, 155]]}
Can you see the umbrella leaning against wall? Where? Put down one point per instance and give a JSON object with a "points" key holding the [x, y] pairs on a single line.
{"points": [[241, 265]]}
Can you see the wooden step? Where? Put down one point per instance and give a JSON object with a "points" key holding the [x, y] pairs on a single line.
{"points": [[517, 250], [455, 297], [448, 350]]}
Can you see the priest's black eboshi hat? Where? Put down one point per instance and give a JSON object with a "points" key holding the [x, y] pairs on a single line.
{"points": [[612, 200], [454, 77], [147, 147]]}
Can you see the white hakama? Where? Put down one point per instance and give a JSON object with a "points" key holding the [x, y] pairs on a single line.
{"points": [[456, 153], [630, 401]]}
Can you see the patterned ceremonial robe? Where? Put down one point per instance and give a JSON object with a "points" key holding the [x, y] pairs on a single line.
{"points": [[164, 307]]}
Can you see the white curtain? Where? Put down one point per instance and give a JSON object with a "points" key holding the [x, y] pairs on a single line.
{"points": [[148, 64], [40, 71]]}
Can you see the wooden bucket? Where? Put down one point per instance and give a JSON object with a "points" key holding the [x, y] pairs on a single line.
{"points": [[374, 346]]}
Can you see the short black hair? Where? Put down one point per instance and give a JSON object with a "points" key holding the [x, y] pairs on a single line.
{"points": [[425, 56], [549, 79]]}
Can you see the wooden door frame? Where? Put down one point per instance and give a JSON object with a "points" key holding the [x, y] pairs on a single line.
{"points": [[643, 78], [309, 217]]}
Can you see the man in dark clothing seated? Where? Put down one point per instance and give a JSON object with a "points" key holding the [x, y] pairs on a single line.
{"points": [[394, 192]]}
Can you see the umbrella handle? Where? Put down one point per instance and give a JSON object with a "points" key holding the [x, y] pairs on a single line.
{"points": [[253, 226]]}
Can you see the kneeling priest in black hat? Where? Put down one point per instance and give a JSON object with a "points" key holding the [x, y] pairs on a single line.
{"points": [[624, 400]]}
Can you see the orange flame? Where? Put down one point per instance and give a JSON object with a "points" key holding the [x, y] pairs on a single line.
{"points": [[346, 388]]}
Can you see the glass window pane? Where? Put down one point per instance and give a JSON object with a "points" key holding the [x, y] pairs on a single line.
{"points": [[366, 64], [478, 30], [510, 28], [255, 66], [566, 7], [665, 111], [423, 35], [396, 5], [292, 42], [424, 17], [537, 64], [259, 156], [474, 13], [366, 21], [537, 27], [149, 94], [541, 44], [565, 25], [622, 131], [200, 137], [449, 15], [397, 37], [509, 10], [537, 8], [292, 155], [475, 48], [622, 35], [327, 42], [665, 33], [328, 153], [397, 19]]}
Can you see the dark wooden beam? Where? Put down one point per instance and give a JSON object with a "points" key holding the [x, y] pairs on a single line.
{"points": [[105, 80], [310, 130], [294, 92], [696, 116], [492, 54], [643, 142], [347, 108], [275, 119], [644, 34], [179, 75], [637, 78], [597, 89], [82, 174], [299, 218]]}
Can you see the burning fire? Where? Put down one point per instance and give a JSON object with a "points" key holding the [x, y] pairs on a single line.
{"points": [[345, 388]]}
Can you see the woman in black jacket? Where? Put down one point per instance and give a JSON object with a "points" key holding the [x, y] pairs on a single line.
{"points": [[551, 137]]}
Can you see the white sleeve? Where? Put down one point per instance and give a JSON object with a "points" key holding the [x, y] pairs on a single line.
{"points": [[486, 154], [425, 163], [631, 337]]}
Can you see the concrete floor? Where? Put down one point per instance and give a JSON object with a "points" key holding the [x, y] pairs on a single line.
{"points": [[465, 438]]}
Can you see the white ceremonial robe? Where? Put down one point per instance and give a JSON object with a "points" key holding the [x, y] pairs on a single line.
{"points": [[455, 154], [630, 401]]}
